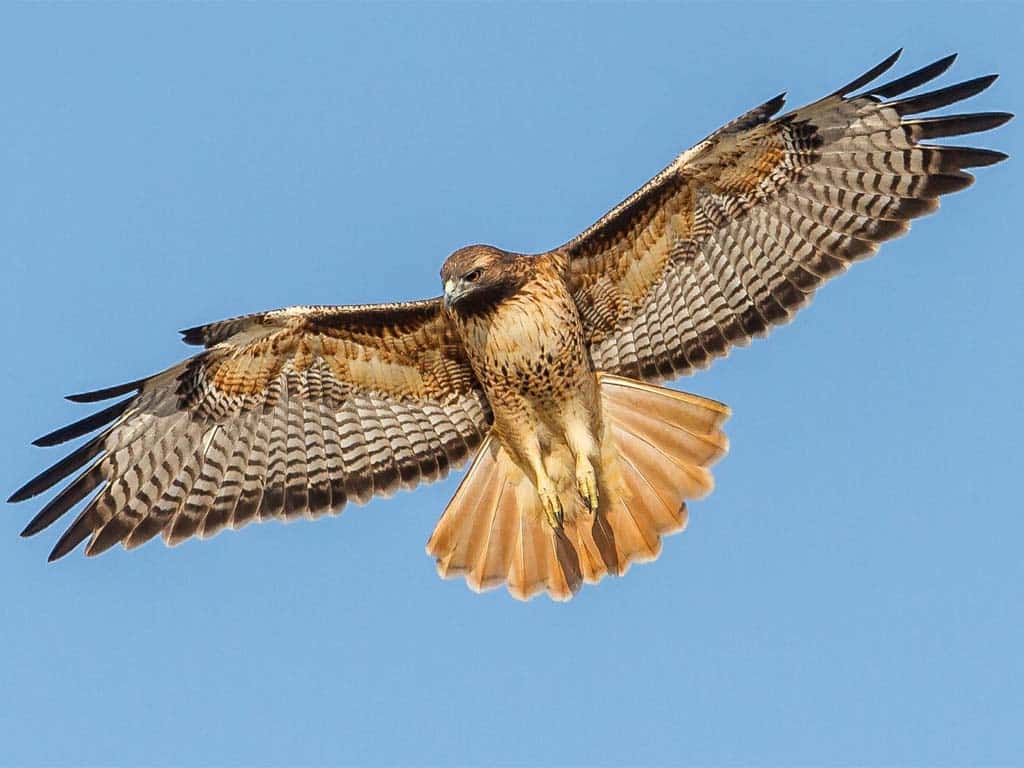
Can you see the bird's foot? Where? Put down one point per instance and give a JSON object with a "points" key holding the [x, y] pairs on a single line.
{"points": [[586, 483], [552, 506]]}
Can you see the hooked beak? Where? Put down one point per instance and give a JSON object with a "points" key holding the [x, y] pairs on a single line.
{"points": [[453, 291]]}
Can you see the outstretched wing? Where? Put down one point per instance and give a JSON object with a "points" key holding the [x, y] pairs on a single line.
{"points": [[285, 414], [738, 232]]}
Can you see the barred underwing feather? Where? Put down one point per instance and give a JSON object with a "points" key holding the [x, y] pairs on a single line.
{"points": [[221, 512], [296, 476], [319, 486], [286, 414], [865, 182], [954, 125], [760, 214]]}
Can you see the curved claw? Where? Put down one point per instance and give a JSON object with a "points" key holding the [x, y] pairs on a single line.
{"points": [[586, 483], [552, 507]]}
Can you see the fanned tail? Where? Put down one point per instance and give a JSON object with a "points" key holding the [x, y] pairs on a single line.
{"points": [[492, 532], [656, 449]]}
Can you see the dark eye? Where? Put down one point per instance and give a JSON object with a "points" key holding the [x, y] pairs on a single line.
{"points": [[473, 275]]}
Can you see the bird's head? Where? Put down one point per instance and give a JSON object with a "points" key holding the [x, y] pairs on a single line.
{"points": [[477, 277]]}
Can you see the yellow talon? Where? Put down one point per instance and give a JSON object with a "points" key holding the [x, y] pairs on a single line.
{"points": [[586, 482], [552, 506]]}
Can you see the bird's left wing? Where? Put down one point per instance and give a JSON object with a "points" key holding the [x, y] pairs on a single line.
{"points": [[736, 234], [284, 414]]}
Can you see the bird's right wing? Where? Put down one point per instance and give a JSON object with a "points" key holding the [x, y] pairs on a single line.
{"points": [[737, 233], [284, 414]]}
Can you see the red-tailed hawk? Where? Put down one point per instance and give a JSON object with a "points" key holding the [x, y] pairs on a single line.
{"points": [[536, 365]]}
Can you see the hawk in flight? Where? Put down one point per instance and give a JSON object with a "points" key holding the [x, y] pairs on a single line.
{"points": [[540, 368]]}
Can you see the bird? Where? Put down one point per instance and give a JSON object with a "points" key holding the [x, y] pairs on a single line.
{"points": [[544, 370]]}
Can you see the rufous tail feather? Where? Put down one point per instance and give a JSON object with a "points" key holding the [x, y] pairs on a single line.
{"points": [[655, 452]]}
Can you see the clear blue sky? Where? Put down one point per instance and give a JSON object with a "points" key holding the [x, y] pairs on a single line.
{"points": [[850, 594]]}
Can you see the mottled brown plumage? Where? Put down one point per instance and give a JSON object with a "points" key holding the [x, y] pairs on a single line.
{"points": [[291, 413]]}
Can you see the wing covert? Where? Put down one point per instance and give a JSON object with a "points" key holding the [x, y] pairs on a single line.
{"points": [[285, 414]]}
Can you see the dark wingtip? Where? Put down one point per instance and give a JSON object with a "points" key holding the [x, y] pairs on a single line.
{"points": [[33, 487], [991, 157], [956, 125], [985, 81], [53, 475], [774, 105], [914, 79], [870, 75], [759, 115], [48, 440], [193, 336], [106, 393], [72, 537], [942, 97], [83, 426]]}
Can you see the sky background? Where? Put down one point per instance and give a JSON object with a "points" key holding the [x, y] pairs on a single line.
{"points": [[850, 594]]}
